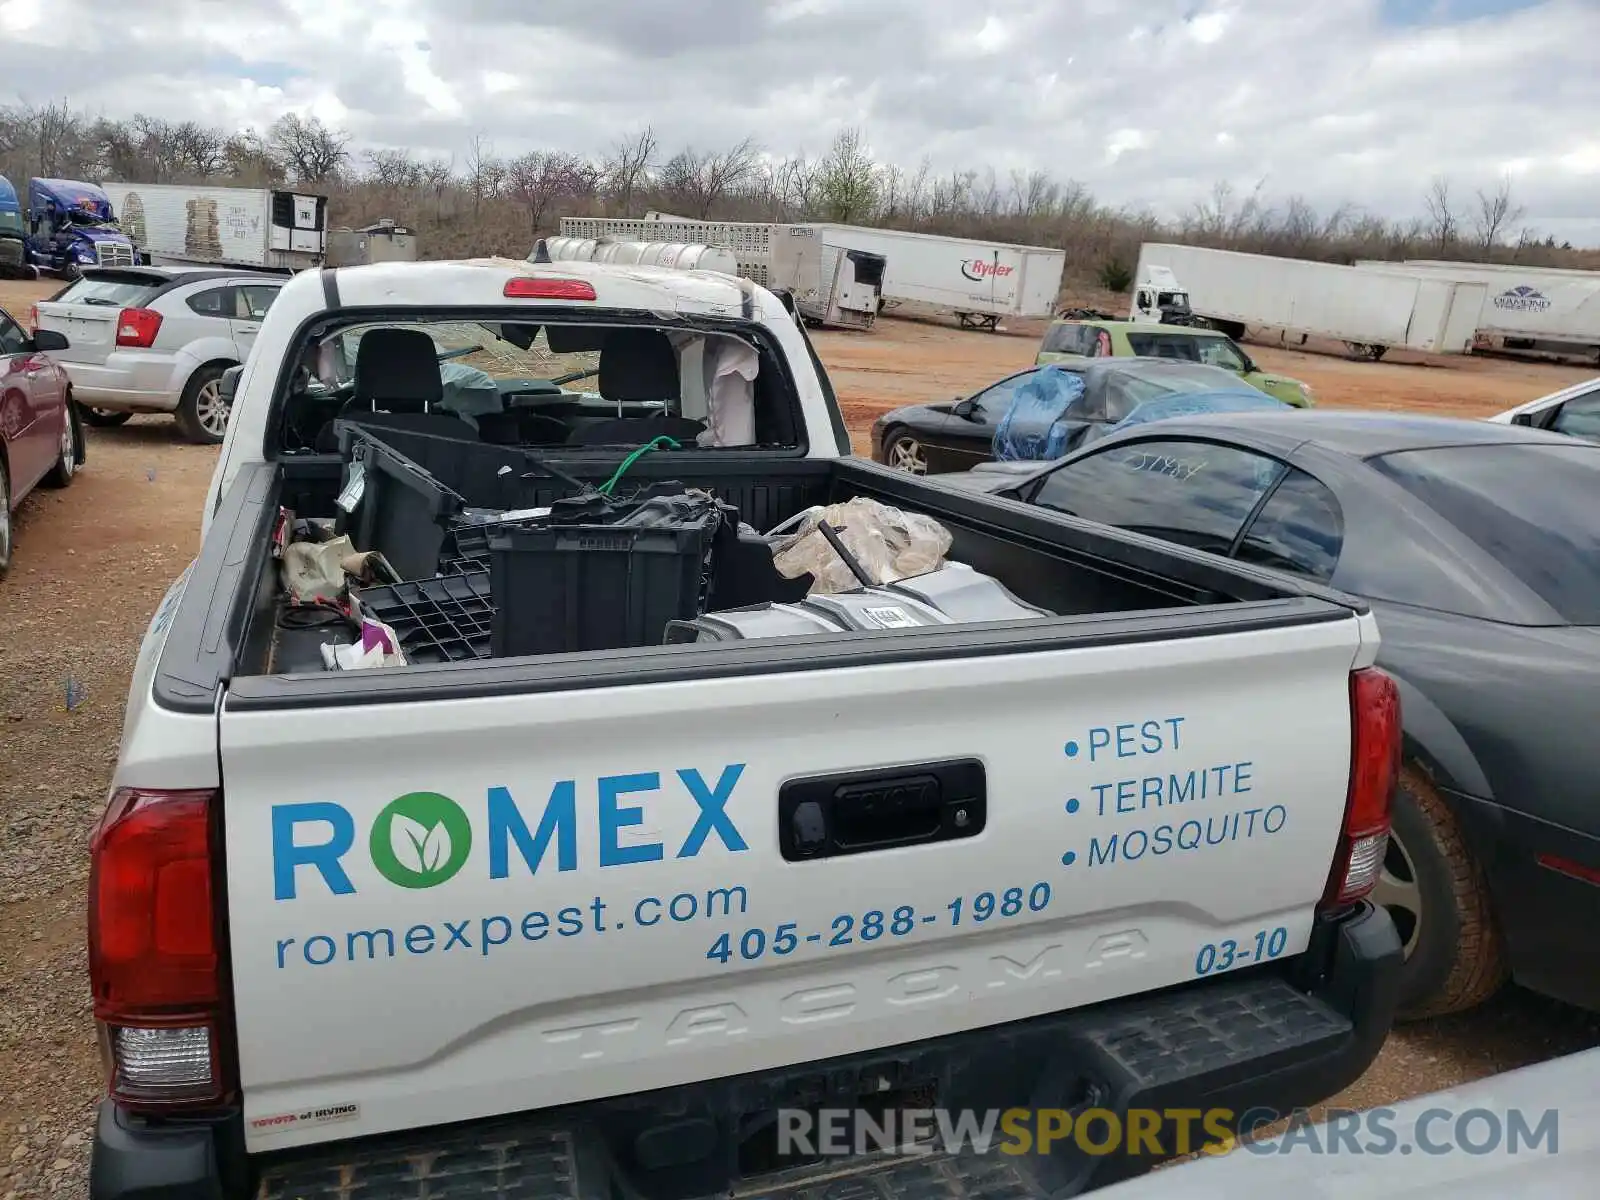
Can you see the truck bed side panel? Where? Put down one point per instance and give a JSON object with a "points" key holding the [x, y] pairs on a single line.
{"points": [[456, 908]]}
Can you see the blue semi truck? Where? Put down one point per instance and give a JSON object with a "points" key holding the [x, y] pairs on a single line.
{"points": [[13, 233], [69, 225]]}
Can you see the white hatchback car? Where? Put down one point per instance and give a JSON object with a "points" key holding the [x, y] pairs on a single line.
{"points": [[157, 340]]}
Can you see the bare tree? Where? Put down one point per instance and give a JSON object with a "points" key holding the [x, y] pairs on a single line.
{"points": [[537, 179], [1443, 224], [393, 169], [311, 151], [1496, 214], [699, 182], [628, 166]]}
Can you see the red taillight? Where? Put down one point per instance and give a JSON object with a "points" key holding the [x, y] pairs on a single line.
{"points": [[137, 327], [155, 962], [1375, 744], [528, 288]]}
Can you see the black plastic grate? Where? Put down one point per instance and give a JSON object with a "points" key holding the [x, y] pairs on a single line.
{"points": [[448, 619]]}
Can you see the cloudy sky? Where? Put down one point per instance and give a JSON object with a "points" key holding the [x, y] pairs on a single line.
{"points": [[1149, 102]]}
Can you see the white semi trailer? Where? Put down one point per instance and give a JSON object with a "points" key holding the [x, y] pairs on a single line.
{"points": [[980, 282], [1548, 310], [243, 227], [832, 289], [1370, 311]]}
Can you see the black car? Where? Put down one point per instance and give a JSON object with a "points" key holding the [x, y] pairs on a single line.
{"points": [[1477, 546], [953, 436]]}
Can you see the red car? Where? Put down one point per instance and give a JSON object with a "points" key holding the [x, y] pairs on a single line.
{"points": [[41, 437]]}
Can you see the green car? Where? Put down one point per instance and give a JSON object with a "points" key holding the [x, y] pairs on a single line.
{"points": [[1124, 339]]}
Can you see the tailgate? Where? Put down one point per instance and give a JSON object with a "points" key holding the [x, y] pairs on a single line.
{"points": [[90, 329], [454, 908]]}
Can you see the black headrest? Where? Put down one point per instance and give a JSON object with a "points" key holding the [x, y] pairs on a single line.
{"points": [[638, 364], [398, 369], [575, 339]]}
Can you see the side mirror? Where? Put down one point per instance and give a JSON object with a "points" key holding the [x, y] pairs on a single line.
{"points": [[229, 383], [964, 408], [1527, 418], [48, 341]]}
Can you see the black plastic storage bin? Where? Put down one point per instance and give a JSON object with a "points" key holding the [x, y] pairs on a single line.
{"points": [[570, 588], [403, 512], [436, 620]]}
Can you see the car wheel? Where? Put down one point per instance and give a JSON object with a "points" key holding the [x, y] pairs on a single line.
{"points": [[1438, 897], [67, 455], [103, 418], [904, 452], [203, 412]]}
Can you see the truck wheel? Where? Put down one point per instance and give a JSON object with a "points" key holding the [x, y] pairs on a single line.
{"points": [[68, 456], [1438, 898], [203, 413], [904, 452], [104, 418]]}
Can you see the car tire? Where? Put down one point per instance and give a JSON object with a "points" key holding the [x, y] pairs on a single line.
{"points": [[1438, 896], [902, 449], [71, 453], [5, 518], [103, 418], [197, 411]]}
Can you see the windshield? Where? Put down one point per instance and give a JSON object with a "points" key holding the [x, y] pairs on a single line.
{"points": [[1529, 507], [10, 222], [1188, 347]]}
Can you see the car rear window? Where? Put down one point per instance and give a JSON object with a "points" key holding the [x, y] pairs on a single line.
{"points": [[110, 291], [1529, 507]]}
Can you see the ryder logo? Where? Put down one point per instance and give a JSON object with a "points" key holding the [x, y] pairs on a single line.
{"points": [[979, 269], [1522, 299]]}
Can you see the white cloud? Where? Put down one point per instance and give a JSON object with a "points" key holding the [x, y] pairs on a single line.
{"points": [[1148, 106]]}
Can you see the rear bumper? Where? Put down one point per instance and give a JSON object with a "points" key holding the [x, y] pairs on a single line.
{"points": [[130, 380], [1251, 1041]]}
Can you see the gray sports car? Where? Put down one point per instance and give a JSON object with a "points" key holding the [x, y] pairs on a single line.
{"points": [[1478, 547]]}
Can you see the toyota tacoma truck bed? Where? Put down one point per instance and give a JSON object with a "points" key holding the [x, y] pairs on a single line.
{"points": [[617, 922]]}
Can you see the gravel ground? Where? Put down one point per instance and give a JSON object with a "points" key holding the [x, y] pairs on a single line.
{"points": [[92, 562]]}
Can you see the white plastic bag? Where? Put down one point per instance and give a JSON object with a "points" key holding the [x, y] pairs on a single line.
{"points": [[888, 543]]}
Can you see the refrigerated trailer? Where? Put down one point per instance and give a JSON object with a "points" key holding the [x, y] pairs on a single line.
{"points": [[832, 289], [980, 282], [246, 227], [1370, 311], [1549, 310]]}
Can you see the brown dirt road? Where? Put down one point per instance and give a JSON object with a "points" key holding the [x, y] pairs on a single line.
{"points": [[92, 562]]}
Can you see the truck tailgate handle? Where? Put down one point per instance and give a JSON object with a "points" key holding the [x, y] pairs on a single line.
{"points": [[854, 812]]}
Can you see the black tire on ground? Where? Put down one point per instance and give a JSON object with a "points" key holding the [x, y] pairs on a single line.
{"points": [[102, 418], [1455, 958], [5, 518], [194, 415], [71, 453]]}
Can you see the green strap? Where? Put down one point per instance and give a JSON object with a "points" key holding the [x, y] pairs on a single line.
{"points": [[627, 463]]}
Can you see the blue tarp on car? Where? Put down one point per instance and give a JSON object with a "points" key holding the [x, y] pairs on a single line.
{"points": [[1033, 428]]}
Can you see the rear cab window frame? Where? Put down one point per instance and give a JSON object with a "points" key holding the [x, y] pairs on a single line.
{"points": [[140, 290], [320, 325]]}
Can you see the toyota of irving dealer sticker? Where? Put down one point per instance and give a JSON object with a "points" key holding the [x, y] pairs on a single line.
{"points": [[282, 1122]]}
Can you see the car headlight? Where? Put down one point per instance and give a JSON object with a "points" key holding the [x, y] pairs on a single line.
{"points": [[1306, 394]]}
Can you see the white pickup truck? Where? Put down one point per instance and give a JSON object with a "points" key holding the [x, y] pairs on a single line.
{"points": [[583, 922]]}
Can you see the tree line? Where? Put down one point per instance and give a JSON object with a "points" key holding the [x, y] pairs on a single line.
{"points": [[485, 202]]}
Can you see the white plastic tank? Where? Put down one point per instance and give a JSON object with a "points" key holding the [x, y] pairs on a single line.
{"points": [[680, 256]]}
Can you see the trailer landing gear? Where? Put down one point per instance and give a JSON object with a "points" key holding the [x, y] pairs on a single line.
{"points": [[989, 321]]}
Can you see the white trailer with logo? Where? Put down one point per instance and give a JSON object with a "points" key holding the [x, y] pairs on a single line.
{"points": [[266, 228], [832, 289], [1549, 310], [980, 282], [1371, 312]]}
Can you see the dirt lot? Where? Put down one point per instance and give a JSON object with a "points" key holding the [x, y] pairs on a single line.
{"points": [[92, 562]]}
